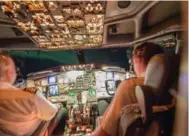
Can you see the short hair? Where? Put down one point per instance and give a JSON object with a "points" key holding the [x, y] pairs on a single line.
{"points": [[146, 51], [4, 63]]}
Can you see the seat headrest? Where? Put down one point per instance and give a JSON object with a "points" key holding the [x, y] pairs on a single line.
{"points": [[161, 75], [156, 72]]}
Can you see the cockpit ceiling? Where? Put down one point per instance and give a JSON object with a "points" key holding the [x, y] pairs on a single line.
{"points": [[156, 16], [63, 24], [72, 25], [125, 8]]}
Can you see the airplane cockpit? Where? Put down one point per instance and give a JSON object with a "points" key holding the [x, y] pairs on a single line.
{"points": [[77, 53]]}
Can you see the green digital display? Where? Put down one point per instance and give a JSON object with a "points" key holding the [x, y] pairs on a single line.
{"points": [[92, 92], [72, 94]]}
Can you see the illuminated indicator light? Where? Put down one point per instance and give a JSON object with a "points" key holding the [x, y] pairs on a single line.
{"points": [[92, 65], [92, 92], [99, 7]]}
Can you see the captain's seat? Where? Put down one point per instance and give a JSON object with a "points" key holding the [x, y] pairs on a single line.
{"points": [[153, 115]]}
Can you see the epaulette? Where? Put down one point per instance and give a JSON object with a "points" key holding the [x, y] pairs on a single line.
{"points": [[30, 89]]}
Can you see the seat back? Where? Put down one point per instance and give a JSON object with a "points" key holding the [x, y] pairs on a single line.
{"points": [[102, 106], [161, 76], [154, 96]]}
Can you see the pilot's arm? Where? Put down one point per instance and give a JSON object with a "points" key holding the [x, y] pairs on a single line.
{"points": [[45, 109]]}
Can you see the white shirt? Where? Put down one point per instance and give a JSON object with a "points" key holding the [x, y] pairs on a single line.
{"points": [[21, 112]]}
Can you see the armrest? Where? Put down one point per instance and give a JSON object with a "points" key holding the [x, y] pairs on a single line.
{"points": [[147, 102], [163, 108], [130, 117]]}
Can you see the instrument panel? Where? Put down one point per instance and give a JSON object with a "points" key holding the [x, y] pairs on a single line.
{"points": [[59, 24], [71, 81]]}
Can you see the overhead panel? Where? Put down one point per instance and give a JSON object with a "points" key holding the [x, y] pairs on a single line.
{"points": [[59, 24]]}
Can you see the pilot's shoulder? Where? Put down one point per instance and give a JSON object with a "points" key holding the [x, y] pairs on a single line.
{"points": [[130, 80], [32, 90]]}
